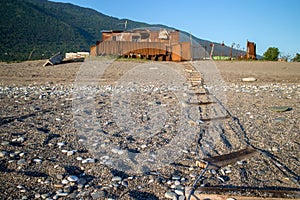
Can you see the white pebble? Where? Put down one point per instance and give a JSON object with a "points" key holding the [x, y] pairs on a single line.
{"points": [[72, 178], [64, 181], [79, 158]]}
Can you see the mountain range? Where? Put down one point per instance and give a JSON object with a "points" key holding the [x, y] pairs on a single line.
{"points": [[37, 29]]}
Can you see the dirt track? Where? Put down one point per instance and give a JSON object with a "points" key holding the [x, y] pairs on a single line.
{"points": [[37, 124]]}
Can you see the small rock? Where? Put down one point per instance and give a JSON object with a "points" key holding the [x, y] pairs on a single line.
{"points": [[181, 198], [44, 196], [37, 196], [70, 153], [249, 79], [102, 194], [21, 154], [125, 183], [21, 162], [88, 160], [12, 155], [64, 181], [57, 185], [20, 139], [176, 177], [279, 108], [193, 175], [20, 187], [116, 178], [171, 195], [179, 192], [5, 143], [275, 149], [60, 144], [279, 119], [241, 162], [177, 182], [115, 185], [72, 178], [79, 158], [62, 194], [59, 176], [3, 154], [37, 160], [68, 189]]}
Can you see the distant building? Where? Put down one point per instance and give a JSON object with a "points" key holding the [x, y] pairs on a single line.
{"points": [[144, 43]]}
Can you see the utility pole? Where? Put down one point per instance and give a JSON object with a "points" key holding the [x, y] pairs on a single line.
{"points": [[191, 40], [231, 50]]}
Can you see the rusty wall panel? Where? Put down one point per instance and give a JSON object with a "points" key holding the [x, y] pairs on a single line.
{"points": [[124, 48], [176, 52], [93, 50], [185, 51], [174, 37], [251, 50], [106, 36]]}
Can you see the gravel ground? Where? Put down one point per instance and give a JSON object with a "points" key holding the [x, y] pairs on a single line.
{"points": [[44, 155]]}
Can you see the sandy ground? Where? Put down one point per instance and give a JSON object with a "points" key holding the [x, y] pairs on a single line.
{"points": [[40, 147]]}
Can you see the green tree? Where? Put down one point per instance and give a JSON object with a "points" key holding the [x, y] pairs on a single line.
{"points": [[297, 58], [271, 54]]}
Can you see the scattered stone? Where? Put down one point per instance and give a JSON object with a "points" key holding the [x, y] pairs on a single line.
{"points": [[176, 177], [249, 79], [241, 162], [37, 160], [279, 108], [79, 158], [279, 119], [171, 195], [177, 182], [46, 195], [181, 198], [125, 183], [72, 178], [37, 196], [21, 154], [5, 143], [64, 181], [57, 185], [102, 194], [3, 154], [60, 144], [70, 153], [12, 155], [21, 162], [59, 176], [68, 189], [179, 192], [193, 175], [62, 194], [88, 160], [116, 178]]}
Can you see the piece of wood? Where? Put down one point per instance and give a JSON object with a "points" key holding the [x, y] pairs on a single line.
{"points": [[198, 194], [226, 159]]}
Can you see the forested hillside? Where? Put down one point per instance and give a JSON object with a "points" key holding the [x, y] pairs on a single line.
{"points": [[37, 29]]}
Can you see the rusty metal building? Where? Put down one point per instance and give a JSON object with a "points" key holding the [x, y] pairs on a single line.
{"points": [[251, 51], [144, 43]]}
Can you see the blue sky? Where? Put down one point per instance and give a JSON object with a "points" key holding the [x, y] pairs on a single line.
{"points": [[269, 23]]}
